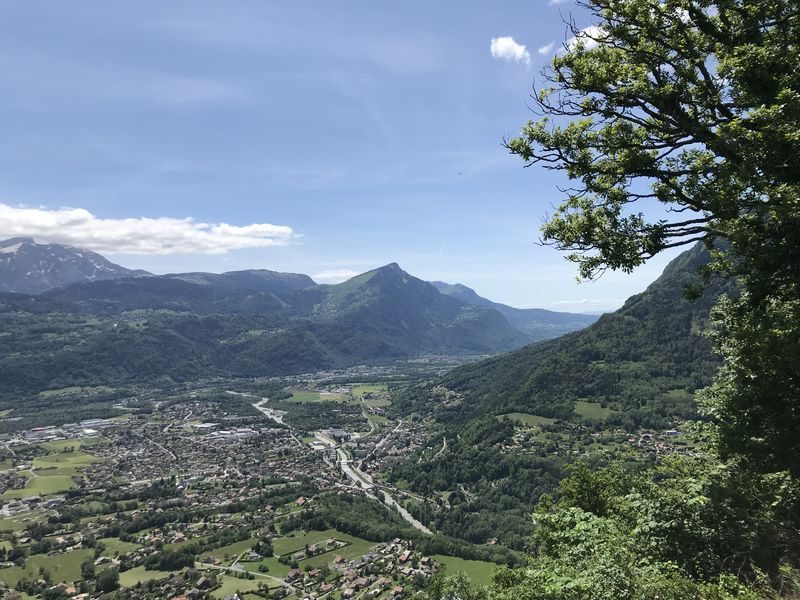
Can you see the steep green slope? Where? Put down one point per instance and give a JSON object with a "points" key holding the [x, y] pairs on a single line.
{"points": [[644, 361], [536, 323], [412, 313]]}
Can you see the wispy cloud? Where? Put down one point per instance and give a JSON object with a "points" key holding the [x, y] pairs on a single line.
{"points": [[334, 275], [586, 38], [506, 48], [546, 49], [137, 235], [556, 2]]}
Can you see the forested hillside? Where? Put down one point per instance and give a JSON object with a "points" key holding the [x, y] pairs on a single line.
{"points": [[643, 361], [246, 324], [537, 323]]}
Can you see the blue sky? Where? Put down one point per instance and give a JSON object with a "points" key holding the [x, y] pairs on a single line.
{"points": [[316, 137]]}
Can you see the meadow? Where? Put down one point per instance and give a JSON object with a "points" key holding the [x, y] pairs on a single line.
{"points": [[480, 572], [592, 410], [526, 419]]}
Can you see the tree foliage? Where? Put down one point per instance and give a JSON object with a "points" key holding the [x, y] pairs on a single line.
{"points": [[690, 528], [688, 110], [693, 105]]}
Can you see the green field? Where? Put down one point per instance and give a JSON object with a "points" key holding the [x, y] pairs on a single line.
{"points": [[40, 486], [59, 445], [53, 472], [316, 396], [178, 545], [289, 545], [359, 390], [231, 550], [64, 567], [100, 389], [479, 571], [63, 463], [276, 569], [231, 585], [527, 419], [115, 546], [139, 575], [592, 410], [19, 522], [378, 419]]}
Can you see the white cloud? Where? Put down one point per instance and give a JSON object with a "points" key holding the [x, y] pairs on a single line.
{"points": [[546, 49], [137, 235], [586, 38], [507, 49], [555, 2], [334, 275]]}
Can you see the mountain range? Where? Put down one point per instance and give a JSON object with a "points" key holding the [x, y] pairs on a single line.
{"points": [[113, 325], [30, 268]]}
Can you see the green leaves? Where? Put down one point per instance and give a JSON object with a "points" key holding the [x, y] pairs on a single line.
{"points": [[693, 104]]}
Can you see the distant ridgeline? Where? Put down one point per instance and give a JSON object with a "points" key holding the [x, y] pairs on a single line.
{"points": [[110, 328], [643, 361]]}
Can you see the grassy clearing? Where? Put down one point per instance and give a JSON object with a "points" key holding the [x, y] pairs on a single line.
{"points": [[276, 569], [298, 541], [526, 419], [231, 585], [63, 463], [19, 522], [138, 575], [53, 472], [359, 389], [59, 445], [592, 410], [232, 551], [179, 545], [479, 571], [99, 389], [40, 486], [378, 419], [356, 547], [63, 567], [116, 547], [310, 396]]}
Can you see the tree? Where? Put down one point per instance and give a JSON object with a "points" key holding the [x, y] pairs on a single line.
{"points": [[108, 580], [453, 587], [693, 106], [87, 569]]}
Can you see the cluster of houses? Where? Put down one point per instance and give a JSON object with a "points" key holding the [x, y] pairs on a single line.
{"points": [[390, 570], [664, 442]]}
